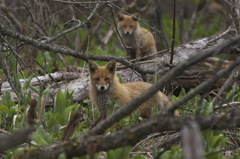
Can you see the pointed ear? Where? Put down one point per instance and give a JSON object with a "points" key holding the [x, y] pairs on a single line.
{"points": [[93, 66], [111, 66], [120, 16], [135, 16]]}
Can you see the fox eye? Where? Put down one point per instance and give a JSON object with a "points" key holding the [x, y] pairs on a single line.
{"points": [[107, 79], [131, 26], [97, 79], [124, 26]]}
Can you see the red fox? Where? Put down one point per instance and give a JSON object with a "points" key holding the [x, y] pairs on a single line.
{"points": [[138, 41], [105, 90]]}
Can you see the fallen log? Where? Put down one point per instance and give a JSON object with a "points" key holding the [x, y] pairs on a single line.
{"points": [[78, 82]]}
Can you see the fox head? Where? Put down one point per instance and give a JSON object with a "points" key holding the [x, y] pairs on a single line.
{"points": [[102, 77], [127, 24]]}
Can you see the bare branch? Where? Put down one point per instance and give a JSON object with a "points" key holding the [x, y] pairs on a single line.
{"points": [[130, 136], [15, 139], [73, 123], [132, 105], [174, 29], [193, 20], [233, 104], [70, 52], [235, 75], [117, 29], [192, 141], [86, 2], [204, 85], [5, 67], [51, 39], [152, 28]]}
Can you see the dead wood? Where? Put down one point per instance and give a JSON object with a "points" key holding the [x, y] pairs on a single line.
{"points": [[77, 82], [12, 140], [156, 141], [192, 141], [129, 136]]}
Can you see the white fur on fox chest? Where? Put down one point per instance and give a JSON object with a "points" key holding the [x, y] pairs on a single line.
{"points": [[131, 40], [103, 99]]}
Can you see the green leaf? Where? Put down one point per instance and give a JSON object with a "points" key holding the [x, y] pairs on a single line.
{"points": [[7, 100], [5, 109], [52, 122], [174, 153], [60, 119], [82, 157], [138, 156], [59, 103], [67, 111], [27, 82], [34, 89], [46, 92], [62, 156], [220, 142], [182, 93], [17, 83], [41, 137], [119, 153]]}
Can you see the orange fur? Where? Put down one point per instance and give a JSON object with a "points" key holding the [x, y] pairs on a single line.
{"points": [[105, 90], [138, 40]]}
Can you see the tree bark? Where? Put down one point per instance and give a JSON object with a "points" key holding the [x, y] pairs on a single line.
{"points": [[130, 136]]}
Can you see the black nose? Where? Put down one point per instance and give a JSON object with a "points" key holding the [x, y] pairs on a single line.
{"points": [[128, 32], [102, 87]]}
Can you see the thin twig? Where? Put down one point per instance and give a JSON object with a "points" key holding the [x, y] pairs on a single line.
{"points": [[143, 22], [233, 104], [235, 75], [5, 68], [66, 51], [117, 30], [160, 21], [20, 61], [204, 85], [133, 105], [119, 35], [53, 38], [174, 28], [193, 20], [129, 136], [86, 2]]}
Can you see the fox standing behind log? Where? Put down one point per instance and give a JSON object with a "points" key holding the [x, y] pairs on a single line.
{"points": [[139, 41], [105, 90]]}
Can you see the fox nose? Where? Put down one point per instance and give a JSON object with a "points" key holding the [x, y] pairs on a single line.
{"points": [[127, 32], [102, 87]]}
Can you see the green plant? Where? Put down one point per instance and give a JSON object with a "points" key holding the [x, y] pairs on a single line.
{"points": [[174, 153], [214, 141], [119, 153], [42, 137]]}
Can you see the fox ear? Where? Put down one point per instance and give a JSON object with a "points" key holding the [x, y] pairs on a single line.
{"points": [[135, 16], [120, 16], [111, 66], [93, 66]]}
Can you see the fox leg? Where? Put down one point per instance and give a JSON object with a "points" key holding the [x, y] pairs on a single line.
{"points": [[138, 54], [131, 53]]}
